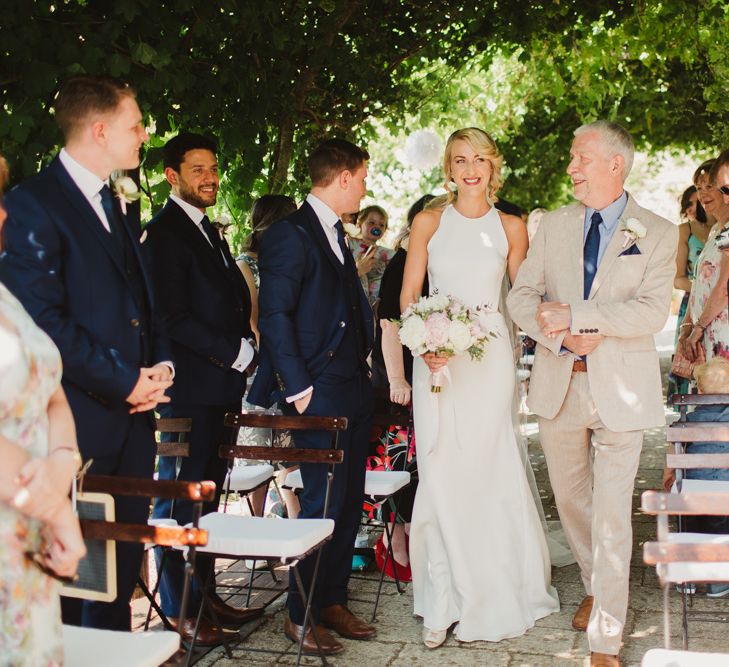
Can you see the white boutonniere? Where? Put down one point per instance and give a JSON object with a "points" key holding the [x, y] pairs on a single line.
{"points": [[632, 230], [221, 223], [351, 230], [127, 192]]}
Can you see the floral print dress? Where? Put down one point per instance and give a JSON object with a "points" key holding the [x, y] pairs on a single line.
{"points": [[371, 281], [30, 372], [716, 336]]}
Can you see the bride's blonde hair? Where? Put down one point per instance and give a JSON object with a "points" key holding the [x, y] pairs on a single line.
{"points": [[485, 146]]}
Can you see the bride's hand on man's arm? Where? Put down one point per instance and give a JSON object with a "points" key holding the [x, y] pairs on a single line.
{"points": [[434, 361]]}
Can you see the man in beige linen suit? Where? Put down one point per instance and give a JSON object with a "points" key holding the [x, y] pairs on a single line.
{"points": [[594, 288]]}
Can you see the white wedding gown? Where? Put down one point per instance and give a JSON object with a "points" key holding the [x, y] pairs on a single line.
{"points": [[478, 551]]}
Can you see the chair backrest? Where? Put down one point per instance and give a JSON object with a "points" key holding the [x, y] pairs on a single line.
{"points": [[664, 552], [330, 456], [182, 426]]}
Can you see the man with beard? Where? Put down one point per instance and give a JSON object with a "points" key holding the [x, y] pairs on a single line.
{"points": [[205, 303]]}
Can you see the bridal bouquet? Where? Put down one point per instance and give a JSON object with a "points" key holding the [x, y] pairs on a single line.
{"points": [[444, 326]]}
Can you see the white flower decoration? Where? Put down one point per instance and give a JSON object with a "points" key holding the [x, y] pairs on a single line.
{"points": [[352, 230], [632, 229], [126, 190]]}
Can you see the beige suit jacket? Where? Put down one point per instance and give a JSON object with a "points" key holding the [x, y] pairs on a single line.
{"points": [[628, 302]]}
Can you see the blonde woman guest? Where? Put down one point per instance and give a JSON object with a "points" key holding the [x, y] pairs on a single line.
{"points": [[39, 532], [370, 257], [493, 582], [706, 323]]}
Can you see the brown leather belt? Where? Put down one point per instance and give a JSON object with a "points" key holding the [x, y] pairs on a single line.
{"points": [[580, 366]]}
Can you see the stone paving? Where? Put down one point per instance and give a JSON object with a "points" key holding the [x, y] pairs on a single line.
{"points": [[551, 642]]}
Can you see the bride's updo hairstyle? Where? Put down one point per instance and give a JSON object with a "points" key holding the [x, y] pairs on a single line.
{"points": [[485, 146]]}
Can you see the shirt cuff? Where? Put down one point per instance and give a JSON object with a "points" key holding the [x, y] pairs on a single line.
{"points": [[171, 366], [245, 356], [301, 394]]}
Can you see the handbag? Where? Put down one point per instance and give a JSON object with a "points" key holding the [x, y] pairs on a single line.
{"points": [[682, 367]]}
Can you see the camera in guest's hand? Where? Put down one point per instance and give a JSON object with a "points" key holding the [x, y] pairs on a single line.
{"points": [[722, 239]]}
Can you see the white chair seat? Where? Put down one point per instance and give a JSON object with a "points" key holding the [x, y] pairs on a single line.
{"points": [[693, 571], [377, 482], [247, 478], [704, 486], [255, 537], [660, 657], [86, 647]]}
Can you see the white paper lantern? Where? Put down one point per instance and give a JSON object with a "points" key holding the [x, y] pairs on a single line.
{"points": [[423, 149]]}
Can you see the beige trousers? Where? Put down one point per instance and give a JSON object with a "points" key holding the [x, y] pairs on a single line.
{"points": [[592, 471]]}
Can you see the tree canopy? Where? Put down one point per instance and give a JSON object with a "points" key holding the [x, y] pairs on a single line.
{"points": [[270, 79]]}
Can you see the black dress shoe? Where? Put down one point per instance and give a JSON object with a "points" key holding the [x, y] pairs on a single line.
{"points": [[227, 615]]}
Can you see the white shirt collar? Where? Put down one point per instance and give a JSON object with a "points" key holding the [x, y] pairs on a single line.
{"points": [[88, 182], [194, 213], [323, 212]]}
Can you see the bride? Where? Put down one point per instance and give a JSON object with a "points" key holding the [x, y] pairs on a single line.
{"points": [[478, 550]]}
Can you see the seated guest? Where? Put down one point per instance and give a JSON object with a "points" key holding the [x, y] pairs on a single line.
{"points": [[73, 259], [711, 378], [206, 307], [39, 529], [370, 256]]}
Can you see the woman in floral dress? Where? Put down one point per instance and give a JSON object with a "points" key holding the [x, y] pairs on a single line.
{"points": [[706, 322], [39, 531]]}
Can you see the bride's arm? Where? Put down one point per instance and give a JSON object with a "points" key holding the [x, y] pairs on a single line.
{"points": [[516, 235], [424, 226]]}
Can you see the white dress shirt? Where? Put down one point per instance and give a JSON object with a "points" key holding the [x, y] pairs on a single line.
{"points": [[246, 352], [89, 184]]}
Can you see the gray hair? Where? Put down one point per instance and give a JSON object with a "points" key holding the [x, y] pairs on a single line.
{"points": [[615, 138]]}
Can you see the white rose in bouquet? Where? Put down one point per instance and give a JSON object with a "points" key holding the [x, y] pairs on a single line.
{"points": [[459, 335], [412, 332], [438, 302]]}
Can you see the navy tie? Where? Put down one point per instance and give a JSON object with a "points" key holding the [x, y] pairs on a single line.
{"points": [[213, 237], [591, 252], [340, 239], [116, 226]]}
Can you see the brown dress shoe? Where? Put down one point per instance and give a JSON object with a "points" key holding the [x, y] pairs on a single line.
{"points": [[582, 615], [329, 645], [604, 660], [207, 634], [338, 618], [229, 616]]}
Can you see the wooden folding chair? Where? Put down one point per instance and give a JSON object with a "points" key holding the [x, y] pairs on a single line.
{"points": [[287, 540], [679, 558], [382, 487], [84, 646]]}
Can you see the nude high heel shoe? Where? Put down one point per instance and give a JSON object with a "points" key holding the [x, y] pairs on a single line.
{"points": [[434, 638]]}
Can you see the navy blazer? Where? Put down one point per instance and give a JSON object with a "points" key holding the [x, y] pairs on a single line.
{"points": [[205, 307], [68, 273], [302, 307]]}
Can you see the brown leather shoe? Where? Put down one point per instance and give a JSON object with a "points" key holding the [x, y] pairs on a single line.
{"points": [[338, 618], [604, 660], [582, 615], [227, 615], [329, 645], [207, 634]]}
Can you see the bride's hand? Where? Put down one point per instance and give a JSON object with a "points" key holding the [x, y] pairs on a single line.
{"points": [[400, 391], [435, 362]]}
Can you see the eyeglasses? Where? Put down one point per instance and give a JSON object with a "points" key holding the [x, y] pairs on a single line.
{"points": [[38, 560], [724, 189]]}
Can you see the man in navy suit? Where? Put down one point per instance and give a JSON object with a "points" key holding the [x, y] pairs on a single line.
{"points": [[73, 259], [205, 304], [316, 333]]}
